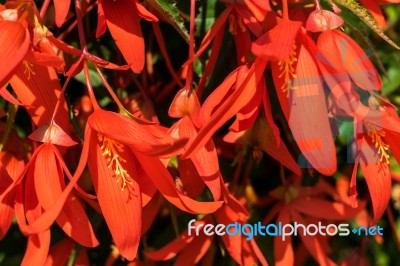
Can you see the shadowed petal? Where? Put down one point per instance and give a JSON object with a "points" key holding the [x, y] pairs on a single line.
{"points": [[123, 22], [14, 43]]}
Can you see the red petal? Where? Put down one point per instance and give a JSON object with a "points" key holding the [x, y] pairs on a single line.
{"points": [[60, 252], [232, 243], [122, 210], [193, 254], [124, 25], [72, 218], [283, 249], [149, 139], [62, 8], [172, 248], [212, 32], [246, 86], [378, 177], [205, 160], [324, 209], [144, 13], [376, 11], [308, 119], [101, 21], [14, 43], [52, 134], [277, 43], [10, 168], [39, 91], [313, 244], [162, 180], [37, 249], [345, 55], [321, 20], [8, 96]]}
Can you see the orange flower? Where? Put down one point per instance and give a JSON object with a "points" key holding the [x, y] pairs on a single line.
{"points": [[124, 155]]}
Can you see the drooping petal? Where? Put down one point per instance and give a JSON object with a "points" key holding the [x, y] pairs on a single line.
{"points": [[163, 181], [37, 249], [377, 175], [60, 252], [114, 180], [210, 35], [148, 138], [321, 20], [62, 8], [246, 86], [72, 219], [14, 43], [123, 22], [205, 160], [10, 168], [38, 88], [343, 54], [8, 96], [308, 118]]}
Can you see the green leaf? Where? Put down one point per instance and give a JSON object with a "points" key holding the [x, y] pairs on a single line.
{"points": [[94, 78], [363, 14], [168, 9]]}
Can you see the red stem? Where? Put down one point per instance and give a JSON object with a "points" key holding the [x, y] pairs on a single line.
{"points": [[44, 8]]}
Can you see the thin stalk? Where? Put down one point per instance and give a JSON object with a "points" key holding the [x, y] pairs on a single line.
{"points": [[189, 77], [12, 111]]}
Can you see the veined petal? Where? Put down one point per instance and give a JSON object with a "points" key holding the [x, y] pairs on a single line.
{"points": [[123, 22], [114, 180], [277, 43], [148, 139], [344, 55], [38, 88], [72, 218], [308, 118], [52, 134], [377, 175], [14, 43]]}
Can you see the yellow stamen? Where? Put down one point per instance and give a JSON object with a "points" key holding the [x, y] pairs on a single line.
{"points": [[377, 136], [111, 150], [28, 68], [287, 71]]}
